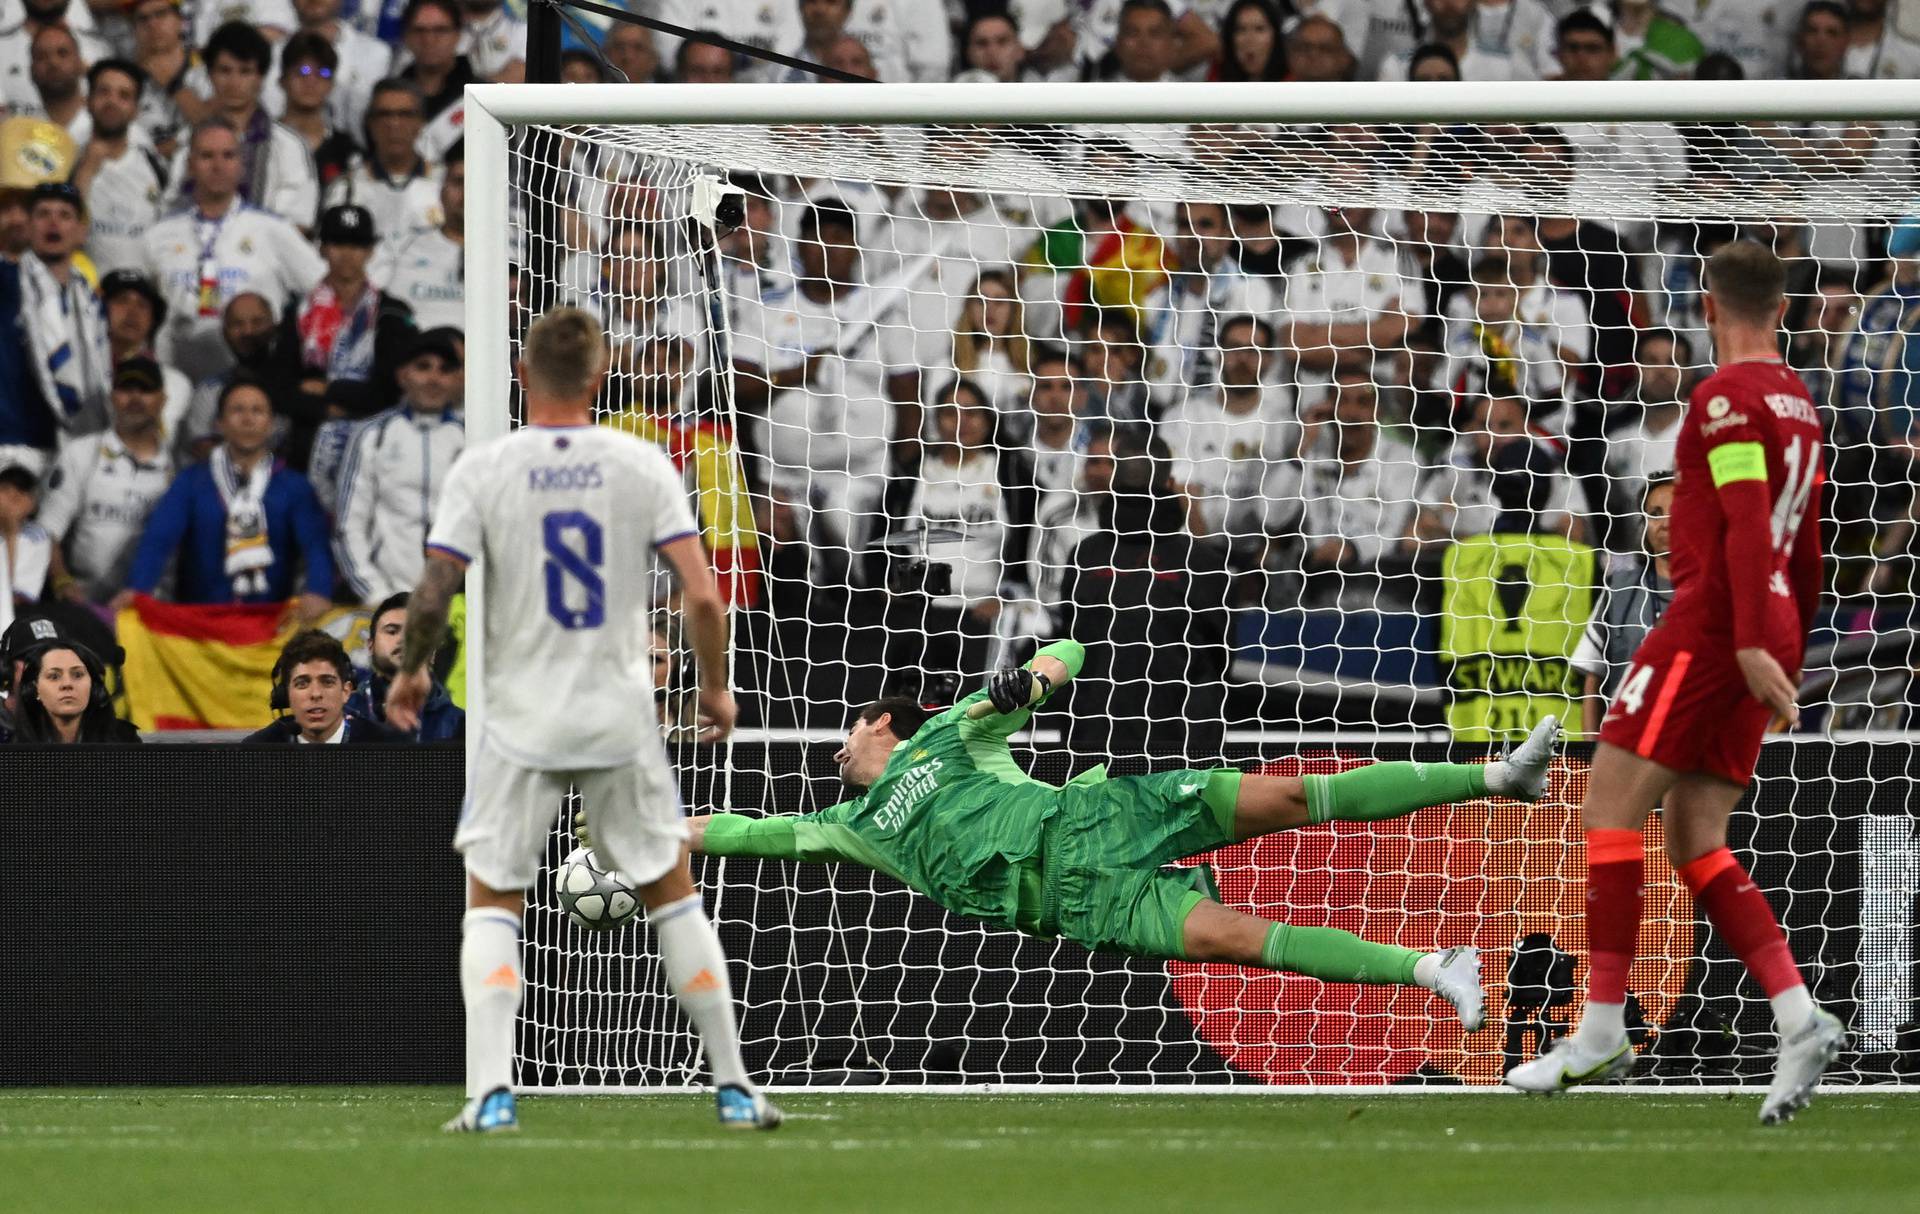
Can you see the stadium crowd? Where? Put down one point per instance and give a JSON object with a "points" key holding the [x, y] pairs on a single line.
{"points": [[231, 368]]}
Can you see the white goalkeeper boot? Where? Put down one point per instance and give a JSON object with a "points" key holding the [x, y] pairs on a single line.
{"points": [[1572, 1062], [1522, 773], [1456, 978], [1804, 1057]]}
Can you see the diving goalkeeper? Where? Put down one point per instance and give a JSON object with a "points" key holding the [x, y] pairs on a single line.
{"points": [[948, 812]]}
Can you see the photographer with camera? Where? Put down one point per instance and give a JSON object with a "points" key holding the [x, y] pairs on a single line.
{"points": [[972, 502]]}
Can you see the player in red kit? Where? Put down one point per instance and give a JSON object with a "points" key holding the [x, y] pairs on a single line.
{"points": [[1684, 730]]}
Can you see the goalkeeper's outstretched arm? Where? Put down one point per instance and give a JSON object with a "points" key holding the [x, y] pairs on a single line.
{"points": [[1017, 689]]}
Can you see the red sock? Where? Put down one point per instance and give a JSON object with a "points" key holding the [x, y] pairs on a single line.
{"points": [[1616, 888], [1739, 912]]}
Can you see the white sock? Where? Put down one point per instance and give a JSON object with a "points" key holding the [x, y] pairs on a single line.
{"points": [[697, 972], [1791, 1008], [490, 987], [1602, 1024], [1426, 971]]}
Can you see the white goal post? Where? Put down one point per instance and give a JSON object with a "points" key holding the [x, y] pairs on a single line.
{"points": [[847, 979]]}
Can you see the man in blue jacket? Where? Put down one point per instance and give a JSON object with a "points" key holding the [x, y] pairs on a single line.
{"points": [[441, 720], [241, 527]]}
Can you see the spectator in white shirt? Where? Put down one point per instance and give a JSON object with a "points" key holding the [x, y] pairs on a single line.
{"points": [[1642, 442], [426, 268], [26, 550], [1359, 495], [1757, 34], [395, 469], [494, 41], [217, 248], [104, 486], [1229, 440], [1451, 24], [119, 175], [990, 347], [363, 62], [65, 327], [177, 96], [1499, 349], [18, 38], [1347, 297], [846, 387], [392, 179], [276, 172], [1875, 50], [57, 71], [135, 312]]}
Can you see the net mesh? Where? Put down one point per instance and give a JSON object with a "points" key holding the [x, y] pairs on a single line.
{"points": [[1334, 443]]}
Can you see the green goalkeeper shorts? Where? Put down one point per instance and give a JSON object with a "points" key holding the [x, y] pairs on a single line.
{"points": [[1102, 884]]}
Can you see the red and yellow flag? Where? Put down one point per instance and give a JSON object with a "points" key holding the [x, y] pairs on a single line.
{"points": [[706, 456], [206, 666]]}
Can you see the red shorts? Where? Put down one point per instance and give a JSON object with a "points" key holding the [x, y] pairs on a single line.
{"points": [[1685, 705]]}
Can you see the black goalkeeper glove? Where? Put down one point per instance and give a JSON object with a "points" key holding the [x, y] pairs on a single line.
{"points": [[1016, 687]]}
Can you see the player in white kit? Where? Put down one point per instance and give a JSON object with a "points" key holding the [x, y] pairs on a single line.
{"points": [[562, 517]]}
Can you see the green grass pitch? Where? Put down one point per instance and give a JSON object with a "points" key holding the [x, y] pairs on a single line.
{"points": [[360, 1150]]}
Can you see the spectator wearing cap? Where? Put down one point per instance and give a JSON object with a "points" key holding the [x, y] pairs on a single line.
{"points": [[309, 76], [394, 472], [120, 177], [241, 527], [178, 95], [217, 248], [27, 632], [105, 485], [441, 720], [430, 33], [276, 173], [493, 41], [26, 550], [344, 329], [428, 267], [391, 179], [313, 679], [66, 329], [57, 72], [361, 61]]}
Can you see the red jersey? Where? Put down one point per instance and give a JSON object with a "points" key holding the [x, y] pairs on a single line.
{"points": [[1746, 514]]}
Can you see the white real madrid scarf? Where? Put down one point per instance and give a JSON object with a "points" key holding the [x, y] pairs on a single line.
{"points": [[249, 556]]}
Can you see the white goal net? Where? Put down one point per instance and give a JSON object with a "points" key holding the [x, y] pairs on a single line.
{"points": [[1335, 432]]}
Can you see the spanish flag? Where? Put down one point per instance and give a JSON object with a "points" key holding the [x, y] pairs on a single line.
{"points": [[708, 459], [207, 666]]}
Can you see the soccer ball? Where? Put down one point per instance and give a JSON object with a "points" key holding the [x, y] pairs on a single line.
{"points": [[597, 898]]}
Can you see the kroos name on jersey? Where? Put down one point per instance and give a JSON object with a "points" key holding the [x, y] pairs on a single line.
{"points": [[564, 476]]}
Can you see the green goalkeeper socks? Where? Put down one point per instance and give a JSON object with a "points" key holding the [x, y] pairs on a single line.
{"points": [[1332, 955], [1387, 790]]}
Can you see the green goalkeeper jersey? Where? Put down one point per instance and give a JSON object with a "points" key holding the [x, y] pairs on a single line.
{"points": [[952, 815]]}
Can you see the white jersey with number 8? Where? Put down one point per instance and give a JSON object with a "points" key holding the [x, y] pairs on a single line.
{"points": [[561, 523]]}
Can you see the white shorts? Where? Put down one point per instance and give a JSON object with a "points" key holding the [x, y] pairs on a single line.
{"points": [[633, 812]]}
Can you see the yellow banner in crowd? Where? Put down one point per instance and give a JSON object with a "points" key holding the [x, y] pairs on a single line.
{"points": [[207, 666]]}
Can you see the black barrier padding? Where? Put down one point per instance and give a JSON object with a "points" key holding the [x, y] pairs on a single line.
{"points": [[228, 914], [220, 914]]}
